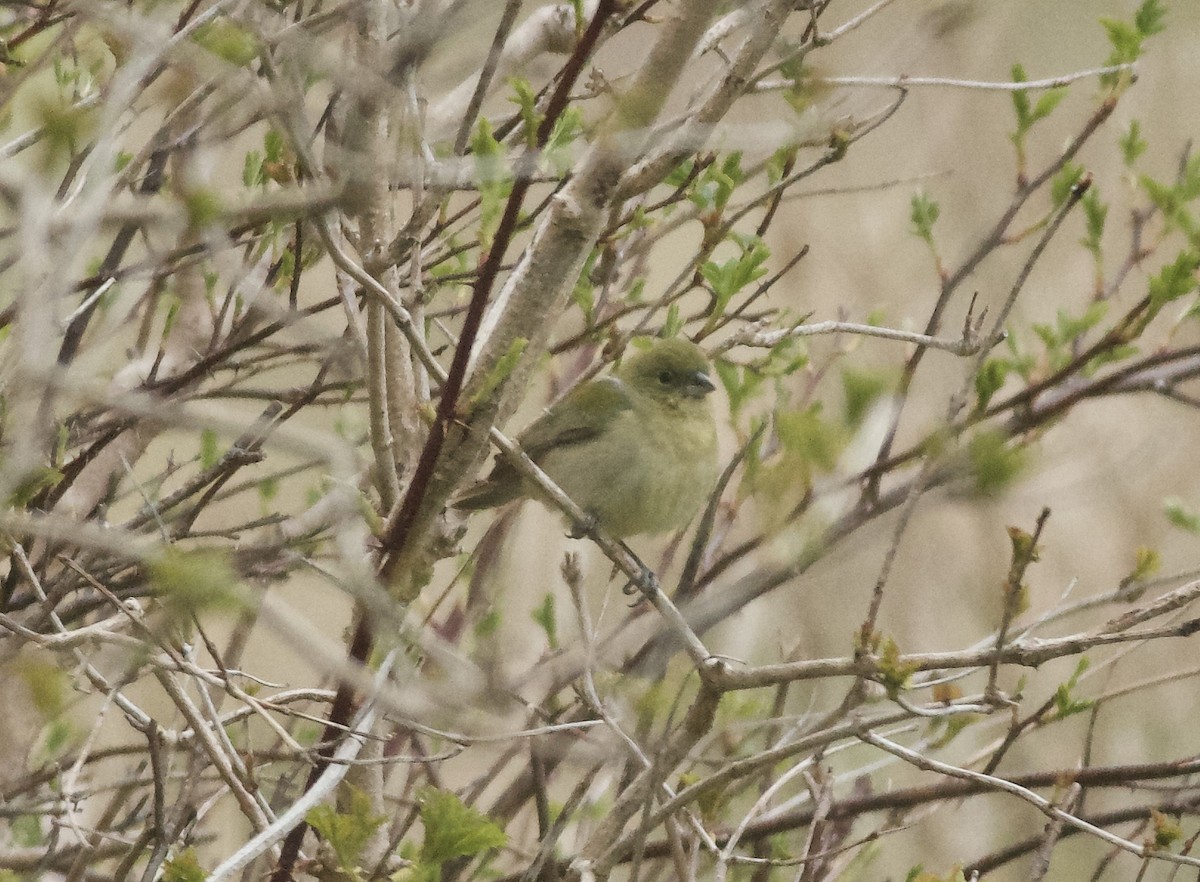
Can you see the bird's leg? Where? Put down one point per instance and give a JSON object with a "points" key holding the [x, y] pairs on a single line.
{"points": [[646, 584]]}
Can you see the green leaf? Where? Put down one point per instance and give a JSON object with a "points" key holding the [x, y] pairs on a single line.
{"points": [[1164, 196], [204, 206], [717, 183], [1132, 143], [806, 86], [1111, 355], [1049, 338], [1166, 830], [893, 673], [680, 173], [784, 359], [584, 296], [1172, 199], [1071, 328], [673, 323], [923, 213], [1028, 114], [731, 276], [994, 462], [228, 40], [584, 292], [1149, 18], [566, 130], [806, 433], [32, 483], [57, 736], [526, 99], [545, 618], [1020, 100], [1022, 363], [1049, 100], [65, 127], [454, 830], [487, 625], [190, 582], [505, 365], [183, 867], [272, 146], [1126, 40], [1181, 515], [740, 384], [1064, 182], [1024, 549], [1147, 562], [730, 176], [918, 874], [210, 455], [1095, 215], [26, 831], [1065, 704], [781, 160], [48, 685], [989, 380], [493, 179], [252, 170], [347, 832], [861, 389], [1175, 280], [955, 724], [268, 489], [1189, 187]]}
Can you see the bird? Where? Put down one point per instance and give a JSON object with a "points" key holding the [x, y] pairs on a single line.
{"points": [[636, 449]]}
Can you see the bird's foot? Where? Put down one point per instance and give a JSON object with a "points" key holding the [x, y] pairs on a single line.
{"points": [[584, 528], [646, 584]]}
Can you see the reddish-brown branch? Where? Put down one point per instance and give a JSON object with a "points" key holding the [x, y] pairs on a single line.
{"points": [[399, 529], [913, 797]]}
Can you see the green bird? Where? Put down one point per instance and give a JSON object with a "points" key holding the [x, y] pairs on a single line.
{"points": [[636, 450]]}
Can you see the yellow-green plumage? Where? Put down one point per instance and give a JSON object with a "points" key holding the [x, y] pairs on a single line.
{"points": [[636, 450]]}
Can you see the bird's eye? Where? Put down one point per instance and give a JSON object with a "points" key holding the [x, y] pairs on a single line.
{"points": [[664, 377]]}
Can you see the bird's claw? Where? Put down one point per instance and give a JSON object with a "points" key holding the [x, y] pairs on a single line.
{"points": [[645, 585]]}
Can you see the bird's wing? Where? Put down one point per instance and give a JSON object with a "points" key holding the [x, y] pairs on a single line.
{"points": [[581, 416]]}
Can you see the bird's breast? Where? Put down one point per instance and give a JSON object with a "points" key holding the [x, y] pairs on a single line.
{"points": [[644, 474]]}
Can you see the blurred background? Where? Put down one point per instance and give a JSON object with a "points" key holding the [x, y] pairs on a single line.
{"points": [[1106, 471]]}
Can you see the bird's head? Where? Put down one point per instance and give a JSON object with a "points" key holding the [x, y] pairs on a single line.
{"points": [[672, 371]]}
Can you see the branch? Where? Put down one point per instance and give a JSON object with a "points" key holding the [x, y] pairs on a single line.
{"points": [[760, 337], [317, 791], [904, 81], [1043, 805]]}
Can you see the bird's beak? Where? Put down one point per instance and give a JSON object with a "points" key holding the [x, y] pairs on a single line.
{"points": [[698, 385]]}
